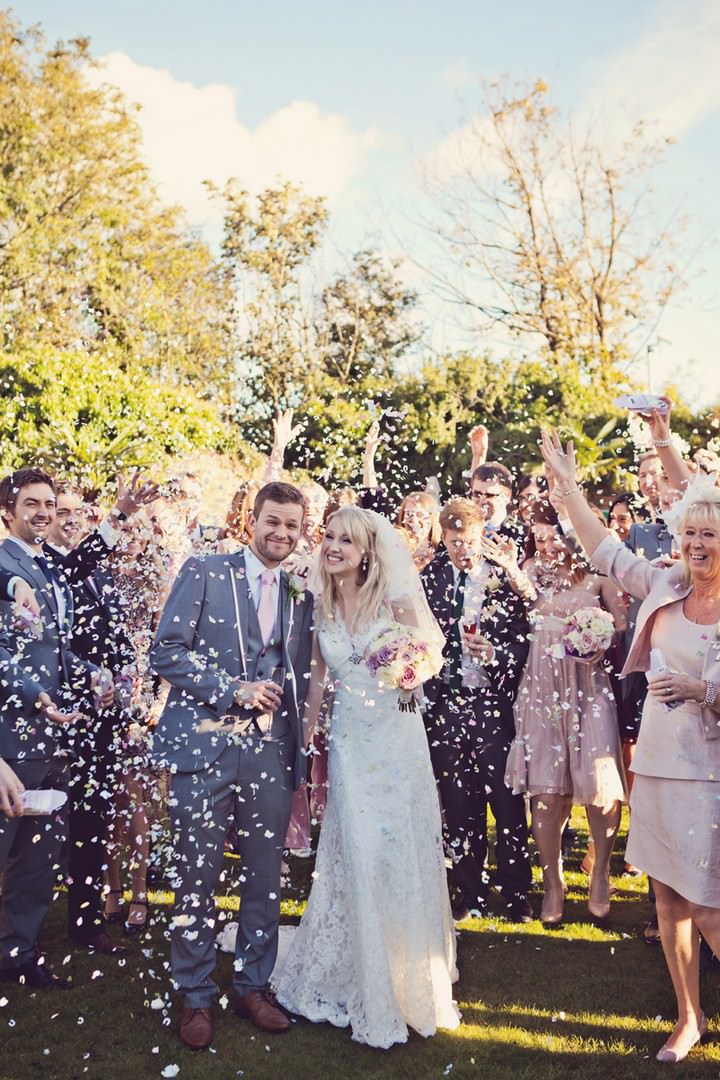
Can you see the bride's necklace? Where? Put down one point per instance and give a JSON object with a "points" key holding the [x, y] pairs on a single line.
{"points": [[356, 657]]}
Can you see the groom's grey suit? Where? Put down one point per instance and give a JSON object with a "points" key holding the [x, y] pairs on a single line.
{"points": [[209, 641]]}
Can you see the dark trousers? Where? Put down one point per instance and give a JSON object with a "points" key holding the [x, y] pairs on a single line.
{"points": [[29, 860], [469, 748], [89, 808]]}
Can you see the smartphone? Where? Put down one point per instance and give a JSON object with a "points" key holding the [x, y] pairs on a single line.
{"points": [[642, 403]]}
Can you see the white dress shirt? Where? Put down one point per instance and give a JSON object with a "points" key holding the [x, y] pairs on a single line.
{"points": [[60, 598]]}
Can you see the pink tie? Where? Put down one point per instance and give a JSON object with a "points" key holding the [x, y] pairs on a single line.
{"points": [[267, 606]]}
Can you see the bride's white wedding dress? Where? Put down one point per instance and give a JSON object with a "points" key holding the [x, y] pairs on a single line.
{"points": [[376, 946]]}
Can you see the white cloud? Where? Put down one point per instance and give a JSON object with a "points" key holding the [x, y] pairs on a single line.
{"points": [[671, 74], [193, 133]]}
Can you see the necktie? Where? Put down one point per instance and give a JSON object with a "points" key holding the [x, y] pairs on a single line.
{"points": [[54, 579], [48, 570], [455, 650], [267, 606]]}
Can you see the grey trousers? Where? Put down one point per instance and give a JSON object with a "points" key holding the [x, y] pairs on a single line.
{"points": [[29, 859], [252, 784]]}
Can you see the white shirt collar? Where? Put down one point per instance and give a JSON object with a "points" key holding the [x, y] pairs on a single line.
{"points": [[26, 547], [60, 549], [255, 568]]}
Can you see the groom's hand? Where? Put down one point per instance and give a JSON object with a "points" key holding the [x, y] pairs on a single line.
{"points": [[266, 696]]}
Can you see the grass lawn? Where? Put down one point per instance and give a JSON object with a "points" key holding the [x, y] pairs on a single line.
{"points": [[581, 1002]]}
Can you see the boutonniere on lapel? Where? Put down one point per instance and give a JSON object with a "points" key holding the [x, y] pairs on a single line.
{"points": [[296, 570], [297, 584], [210, 534]]}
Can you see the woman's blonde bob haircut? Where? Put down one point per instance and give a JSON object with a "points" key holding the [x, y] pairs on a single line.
{"points": [[704, 511], [372, 573]]}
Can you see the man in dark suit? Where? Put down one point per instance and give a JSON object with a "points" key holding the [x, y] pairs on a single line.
{"points": [[491, 487], [98, 637], [38, 672], [469, 717]]}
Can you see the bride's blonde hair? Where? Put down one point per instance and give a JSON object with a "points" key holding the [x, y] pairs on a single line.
{"points": [[373, 574]]}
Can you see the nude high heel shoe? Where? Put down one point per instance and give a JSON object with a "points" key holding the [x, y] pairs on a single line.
{"points": [[671, 1057], [551, 913], [598, 911]]}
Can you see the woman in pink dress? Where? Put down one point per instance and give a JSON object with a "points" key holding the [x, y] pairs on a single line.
{"points": [[567, 747]]}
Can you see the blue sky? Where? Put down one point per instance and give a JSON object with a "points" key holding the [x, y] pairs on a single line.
{"points": [[349, 99]]}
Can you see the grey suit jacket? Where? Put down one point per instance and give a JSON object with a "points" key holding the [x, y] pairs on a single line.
{"points": [[200, 650], [30, 665]]}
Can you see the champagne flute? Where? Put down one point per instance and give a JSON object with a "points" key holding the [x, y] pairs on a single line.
{"points": [[470, 625], [277, 675]]}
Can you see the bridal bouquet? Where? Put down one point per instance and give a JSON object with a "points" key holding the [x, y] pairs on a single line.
{"points": [[403, 661], [588, 633]]}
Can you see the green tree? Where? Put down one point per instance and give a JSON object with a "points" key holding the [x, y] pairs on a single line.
{"points": [[267, 245], [367, 320], [88, 254], [88, 417]]}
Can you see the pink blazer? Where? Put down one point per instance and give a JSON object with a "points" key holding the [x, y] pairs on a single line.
{"points": [[656, 587]]}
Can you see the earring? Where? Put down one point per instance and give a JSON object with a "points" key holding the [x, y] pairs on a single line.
{"points": [[364, 564]]}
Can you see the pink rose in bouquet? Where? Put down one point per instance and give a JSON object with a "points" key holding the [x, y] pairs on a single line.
{"points": [[588, 633], [403, 661]]}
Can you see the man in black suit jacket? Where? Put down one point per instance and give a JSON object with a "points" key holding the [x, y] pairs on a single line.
{"points": [[38, 670], [470, 728], [491, 487], [99, 638]]}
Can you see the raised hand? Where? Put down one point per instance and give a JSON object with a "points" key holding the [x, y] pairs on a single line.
{"points": [[707, 460], [501, 550], [283, 431], [133, 496], [658, 420], [372, 439], [561, 462], [479, 443]]}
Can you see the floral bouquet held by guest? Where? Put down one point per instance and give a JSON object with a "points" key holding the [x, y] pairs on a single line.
{"points": [[588, 633], [403, 661]]}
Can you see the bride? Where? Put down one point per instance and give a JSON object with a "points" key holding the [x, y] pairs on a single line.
{"points": [[375, 949]]}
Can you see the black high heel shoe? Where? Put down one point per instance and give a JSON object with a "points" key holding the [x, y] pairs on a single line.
{"points": [[114, 917], [137, 928]]}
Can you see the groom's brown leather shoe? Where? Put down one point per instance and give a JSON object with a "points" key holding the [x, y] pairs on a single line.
{"points": [[259, 1007], [197, 1028]]}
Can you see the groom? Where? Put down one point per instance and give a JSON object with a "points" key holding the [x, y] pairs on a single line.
{"points": [[233, 740]]}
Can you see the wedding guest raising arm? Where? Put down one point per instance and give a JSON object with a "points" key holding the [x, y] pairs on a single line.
{"points": [[283, 434], [675, 823]]}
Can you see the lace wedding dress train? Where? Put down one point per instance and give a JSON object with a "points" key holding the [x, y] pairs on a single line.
{"points": [[376, 947]]}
